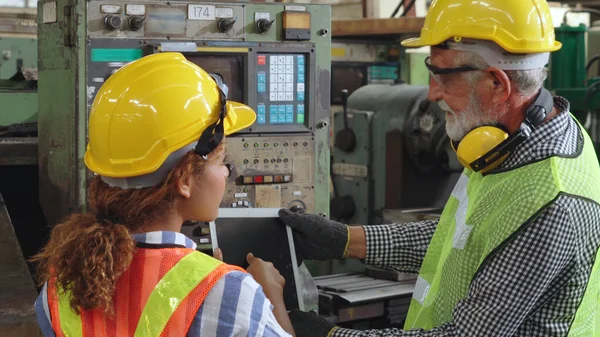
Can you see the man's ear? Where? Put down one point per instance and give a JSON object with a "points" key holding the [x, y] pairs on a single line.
{"points": [[184, 187], [500, 85]]}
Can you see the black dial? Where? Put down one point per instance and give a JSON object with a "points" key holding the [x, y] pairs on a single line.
{"points": [[112, 22]]}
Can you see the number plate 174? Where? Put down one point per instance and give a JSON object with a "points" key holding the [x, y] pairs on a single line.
{"points": [[201, 12]]}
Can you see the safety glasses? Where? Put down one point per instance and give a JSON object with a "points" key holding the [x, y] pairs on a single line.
{"points": [[444, 75]]}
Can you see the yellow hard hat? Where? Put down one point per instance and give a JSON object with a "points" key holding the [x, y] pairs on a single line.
{"points": [[518, 26], [153, 107]]}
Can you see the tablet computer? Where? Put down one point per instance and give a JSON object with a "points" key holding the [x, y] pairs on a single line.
{"points": [[239, 231]]}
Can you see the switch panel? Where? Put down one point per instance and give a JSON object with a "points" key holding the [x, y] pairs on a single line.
{"points": [[270, 170]]}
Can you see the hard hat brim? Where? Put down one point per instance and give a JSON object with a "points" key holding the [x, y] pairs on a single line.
{"points": [[415, 42], [421, 42], [239, 117]]}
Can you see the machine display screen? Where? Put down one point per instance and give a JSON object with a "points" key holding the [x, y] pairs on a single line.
{"points": [[346, 77], [281, 89], [230, 67]]}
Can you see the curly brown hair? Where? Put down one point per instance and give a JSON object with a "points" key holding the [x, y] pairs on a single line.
{"points": [[87, 253]]}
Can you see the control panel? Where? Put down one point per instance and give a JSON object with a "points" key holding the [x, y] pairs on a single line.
{"points": [[271, 172], [172, 19], [274, 57]]}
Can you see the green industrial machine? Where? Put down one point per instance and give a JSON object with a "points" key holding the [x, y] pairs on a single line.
{"points": [[568, 75], [391, 155], [18, 40], [18, 69]]}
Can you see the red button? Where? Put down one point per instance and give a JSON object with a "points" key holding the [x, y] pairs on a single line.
{"points": [[262, 59], [258, 179]]}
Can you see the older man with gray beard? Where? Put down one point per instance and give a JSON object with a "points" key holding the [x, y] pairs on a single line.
{"points": [[515, 252]]}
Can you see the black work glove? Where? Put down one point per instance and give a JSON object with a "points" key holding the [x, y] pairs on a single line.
{"points": [[315, 237], [308, 324]]}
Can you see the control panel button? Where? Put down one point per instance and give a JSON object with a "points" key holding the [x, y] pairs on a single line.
{"points": [[263, 25], [112, 22], [225, 25], [262, 87], [261, 119], [300, 95], [262, 60], [262, 78], [136, 22]]}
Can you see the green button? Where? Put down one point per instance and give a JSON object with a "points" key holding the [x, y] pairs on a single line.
{"points": [[256, 145], [300, 119]]}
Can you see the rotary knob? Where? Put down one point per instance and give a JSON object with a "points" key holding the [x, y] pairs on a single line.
{"points": [[136, 22], [112, 22], [263, 25], [225, 25]]}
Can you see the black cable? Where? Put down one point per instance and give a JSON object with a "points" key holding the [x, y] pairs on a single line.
{"points": [[397, 9], [591, 92], [408, 8], [590, 63]]}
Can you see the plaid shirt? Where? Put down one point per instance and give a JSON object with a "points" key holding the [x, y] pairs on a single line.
{"points": [[534, 284]]}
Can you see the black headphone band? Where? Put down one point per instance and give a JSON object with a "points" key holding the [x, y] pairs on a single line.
{"points": [[534, 117]]}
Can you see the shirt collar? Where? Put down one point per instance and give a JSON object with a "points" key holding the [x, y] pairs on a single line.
{"points": [[539, 141], [164, 238]]}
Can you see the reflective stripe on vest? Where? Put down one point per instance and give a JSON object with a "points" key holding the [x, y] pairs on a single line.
{"points": [[167, 310], [481, 214]]}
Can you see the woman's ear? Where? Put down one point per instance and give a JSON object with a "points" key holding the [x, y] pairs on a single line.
{"points": [[184, 187], [500, 86]]}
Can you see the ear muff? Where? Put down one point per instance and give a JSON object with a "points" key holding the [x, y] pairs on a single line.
{"points": [[479, 142], [485, 148]]}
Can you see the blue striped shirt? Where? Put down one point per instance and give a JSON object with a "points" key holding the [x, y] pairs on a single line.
{"points": [[235, 306]]}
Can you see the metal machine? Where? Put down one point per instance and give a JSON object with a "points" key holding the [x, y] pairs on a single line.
{"points": [[18, 40], [273, 57], [391, 153]]}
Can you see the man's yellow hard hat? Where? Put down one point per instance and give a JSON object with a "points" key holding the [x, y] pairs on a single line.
{"points": [[151, 108], [518, 26]]}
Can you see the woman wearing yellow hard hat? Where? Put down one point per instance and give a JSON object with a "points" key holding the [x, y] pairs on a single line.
{"points": [[124, 269]]}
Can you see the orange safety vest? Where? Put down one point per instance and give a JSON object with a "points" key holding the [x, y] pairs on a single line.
{"points": [[158, 295]]}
